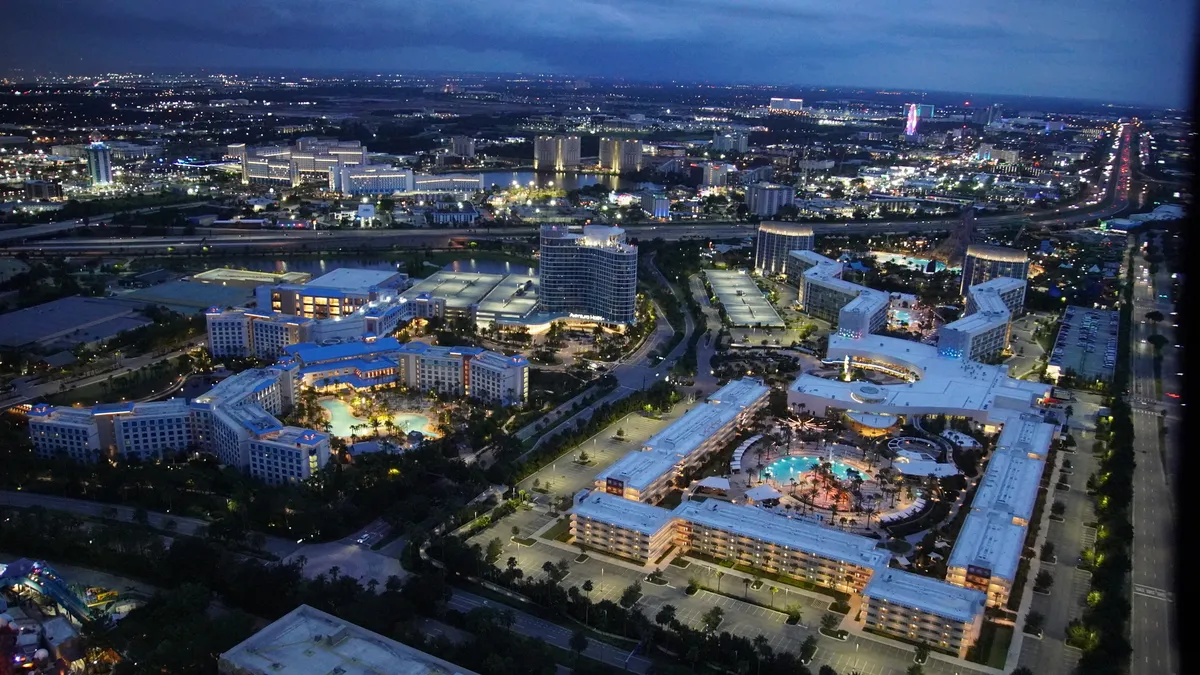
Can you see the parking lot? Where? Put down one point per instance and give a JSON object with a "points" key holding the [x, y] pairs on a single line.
{"points": [[1086, 344]]}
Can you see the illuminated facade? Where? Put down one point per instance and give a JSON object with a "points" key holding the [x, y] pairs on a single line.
{"points": [[99, 162], [592, 274], [912, 117], [620, 155], [556, 153], [775, 241], [984, 263]]}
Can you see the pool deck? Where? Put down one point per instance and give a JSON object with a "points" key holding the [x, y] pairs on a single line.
{"points": [[343, 425]]}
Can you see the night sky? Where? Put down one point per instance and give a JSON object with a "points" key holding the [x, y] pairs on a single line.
{"points": [[1110, 50]]}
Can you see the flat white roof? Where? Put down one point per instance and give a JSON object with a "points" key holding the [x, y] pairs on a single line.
{"points": [[353, 280], [983, 321], [1009, 485], [989, 540], [755, 523], [637, 470], [623, 513], [515, 296], [744, 303], [999, 284], [945, 384], [926, 594], [1026, 435], [307, 641], [459, 289]]}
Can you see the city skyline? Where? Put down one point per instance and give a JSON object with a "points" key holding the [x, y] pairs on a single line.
{"points": [[1064, 53]]}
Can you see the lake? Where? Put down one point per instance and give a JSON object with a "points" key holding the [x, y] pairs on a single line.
{"points": [[567, 181]]}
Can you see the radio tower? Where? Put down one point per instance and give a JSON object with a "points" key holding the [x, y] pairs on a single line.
{"points": [[953, 249]]}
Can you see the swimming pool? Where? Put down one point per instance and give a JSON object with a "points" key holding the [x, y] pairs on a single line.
{"points": [[902, 315], [786, 468], [341, 419]]}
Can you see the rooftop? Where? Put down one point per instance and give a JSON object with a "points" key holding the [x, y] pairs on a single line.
{"points": [[637, 470], [190, 296], [311, 352], [307, 641], [54, 319], [1010, 484], [744, 303], [789, 229], [623, 513], [515, 296], [237, 387], [783, 531], [927, 594], [352, 280], [943, 384], [459, 289], [989, 540], [997, 253], [225, 275]]}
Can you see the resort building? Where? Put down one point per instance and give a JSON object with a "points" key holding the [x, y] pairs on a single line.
{"points": [[1009, 486], [983, 332], [1011, 292], [337, 294], [766, 199], [621, 527], [311, 158], [473, 372], [822, 293], [620, 155], [307, 641], [774, 543], [370, 179], [590, 275], [984, 263], [242, 332], [556, 153], [923, 609], [775, 241], [236, 421], [986, 555], [649, 474]]}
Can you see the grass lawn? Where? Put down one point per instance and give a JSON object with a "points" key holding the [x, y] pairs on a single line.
{"points": [[993, 645], [561, 530]]}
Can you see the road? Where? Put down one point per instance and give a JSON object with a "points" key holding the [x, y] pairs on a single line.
{"points": [[1153, 633], [1113, 201], [32, 394], [52, 229]]}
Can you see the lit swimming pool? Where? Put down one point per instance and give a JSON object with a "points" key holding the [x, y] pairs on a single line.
{"points": [[340, 420], [786, 468], [902, 315]]}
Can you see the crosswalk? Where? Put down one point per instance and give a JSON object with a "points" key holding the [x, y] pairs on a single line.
{"points": [[1151, 592]]}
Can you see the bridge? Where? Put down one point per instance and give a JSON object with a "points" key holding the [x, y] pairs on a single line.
{"points": [[41, 578]]}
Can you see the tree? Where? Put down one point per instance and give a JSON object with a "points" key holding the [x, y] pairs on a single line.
{"points": [[1058, 508], [494, 549], [1021, 670], [578, 643], [794, 612], [1034, 622], [922, 654], [808, 648], [915, 669], [712, 618], [830, 621], [631, 594], [1157, 341], [665, 616], [1048, 550], [1044, 580], [1155, 316], [827, 670]]}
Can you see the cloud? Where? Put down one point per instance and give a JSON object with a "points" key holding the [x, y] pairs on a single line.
{"points": [[1106, 48]]}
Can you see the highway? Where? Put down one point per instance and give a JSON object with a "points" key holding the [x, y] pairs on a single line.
{"points": [[1114, 200], [1152, 629]]}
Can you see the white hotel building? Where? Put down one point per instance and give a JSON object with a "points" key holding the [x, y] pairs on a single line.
{"points": [[855, 310], [589, 275], [983, 332], [648, 474], [236, 421]]}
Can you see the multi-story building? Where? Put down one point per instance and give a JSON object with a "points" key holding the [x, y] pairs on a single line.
{"points": [[43, 189], [717, 174], [984, 263], [986, 554], [925, 111], [855, 310], [778, 544], [786, 105], [243, 332], [99, 161], [556, 153], [656, 205], [775, 240], [621, 527], [620, 155], [647, 475], [67, 431], [462, 146], [339, 293], [307, 641], [473, 372], [734, 141], [370, 179], [592, 275], [1010, 290], [766, 199], [309, 158], [923, 609]]}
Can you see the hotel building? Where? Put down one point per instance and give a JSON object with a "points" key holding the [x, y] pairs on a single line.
{"points": [[822, 293], [618, 155], [984, 263], [621, 527], [923, 609], [337, 294], [311, 158], [590, 275], [370, 179], [766, 199], [649, 474], [243, 332], [556, 153]]}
